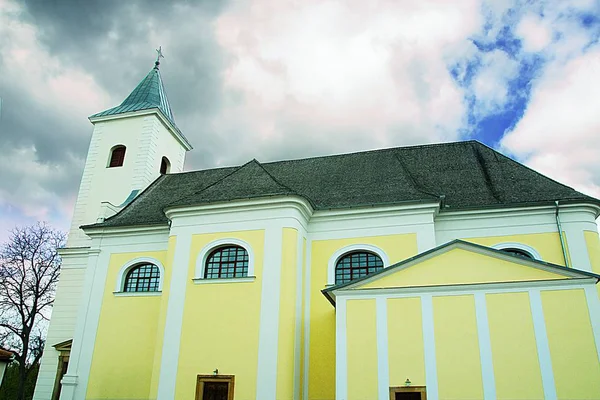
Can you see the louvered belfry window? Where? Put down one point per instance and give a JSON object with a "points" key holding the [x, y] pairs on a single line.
{"points": [[117, 157], [142, 278], [227, 262], [356, 265]]}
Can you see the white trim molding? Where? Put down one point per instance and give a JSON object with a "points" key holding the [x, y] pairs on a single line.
{"points": [[541, 340], [519, 246], [131, 264], [210, 247], [349, 249]]}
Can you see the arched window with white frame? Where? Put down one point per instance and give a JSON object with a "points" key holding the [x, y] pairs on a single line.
{"points": [[335, 275], [142, 275], [355, 265], [227, 258], [117, 156]]}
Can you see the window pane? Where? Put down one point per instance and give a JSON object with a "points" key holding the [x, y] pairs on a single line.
{"points": [[142, 278], [356, 265], [227, 262]]}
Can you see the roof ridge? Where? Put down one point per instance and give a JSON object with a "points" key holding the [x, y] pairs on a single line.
{"points": [[412, 179], [499, 153], [207, 187], [439, 144]]}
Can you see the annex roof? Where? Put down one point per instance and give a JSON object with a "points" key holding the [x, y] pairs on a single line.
{"points": [[461, 175]]}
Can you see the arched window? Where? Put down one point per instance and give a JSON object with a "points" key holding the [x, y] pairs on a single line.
{"points": [[227, 262], [142, 278], [117, 157], [518, 252], [356, 265], [165, 166]]}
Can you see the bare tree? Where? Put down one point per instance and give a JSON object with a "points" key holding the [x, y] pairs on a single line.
{"points": [[29, 269]]}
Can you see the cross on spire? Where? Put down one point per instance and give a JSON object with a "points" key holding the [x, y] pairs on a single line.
{"points": [[159, 55]]}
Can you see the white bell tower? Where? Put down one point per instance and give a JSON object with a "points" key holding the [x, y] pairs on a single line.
{"points": [[132, 144]]}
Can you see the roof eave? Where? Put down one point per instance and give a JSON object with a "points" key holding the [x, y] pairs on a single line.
{"points": [[155, 110]]}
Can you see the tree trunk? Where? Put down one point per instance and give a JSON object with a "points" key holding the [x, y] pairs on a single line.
{"points": [[22, 377]]}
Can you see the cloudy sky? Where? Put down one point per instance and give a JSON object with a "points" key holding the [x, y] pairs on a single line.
{"points": [[274, 79]]}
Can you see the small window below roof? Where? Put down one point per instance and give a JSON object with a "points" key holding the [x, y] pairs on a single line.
{"points": [[117, 157], [165, 166], [518, 253]]}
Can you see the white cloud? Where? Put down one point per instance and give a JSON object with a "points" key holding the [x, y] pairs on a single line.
{"points": [[347, 70], [535, 34], [559, 135], [490, 86]]}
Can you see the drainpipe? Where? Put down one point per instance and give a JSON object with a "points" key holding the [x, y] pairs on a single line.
{"points": [[560, 235]]}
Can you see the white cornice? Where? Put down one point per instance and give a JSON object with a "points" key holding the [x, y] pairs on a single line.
{"points": [[529, 211], [553, 284], [156, 111], [126, 231], [73, 251], [368, 212], [294, 202]]}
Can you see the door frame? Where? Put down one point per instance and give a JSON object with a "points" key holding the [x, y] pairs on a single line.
{"points": [[230, 379]]}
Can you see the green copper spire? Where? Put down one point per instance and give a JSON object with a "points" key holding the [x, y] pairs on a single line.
{"points": [[149, 93]]}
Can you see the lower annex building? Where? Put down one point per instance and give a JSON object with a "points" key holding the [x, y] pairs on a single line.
{"points": [[448, 271]]}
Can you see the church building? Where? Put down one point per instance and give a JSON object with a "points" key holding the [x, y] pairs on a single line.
{"points": [[440, 271]]}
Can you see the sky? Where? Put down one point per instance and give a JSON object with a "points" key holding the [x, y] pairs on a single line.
{"points": [[277, 79]]}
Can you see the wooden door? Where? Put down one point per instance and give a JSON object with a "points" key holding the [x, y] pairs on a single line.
{"points": [[214, 387]]}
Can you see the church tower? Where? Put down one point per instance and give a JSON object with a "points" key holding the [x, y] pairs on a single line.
{"points": [[131, 145]]}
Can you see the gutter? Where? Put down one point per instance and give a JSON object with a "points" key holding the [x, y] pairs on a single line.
{"points": [[560, 235]]}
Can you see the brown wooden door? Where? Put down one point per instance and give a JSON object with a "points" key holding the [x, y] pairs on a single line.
{"points": [[215, 391]]}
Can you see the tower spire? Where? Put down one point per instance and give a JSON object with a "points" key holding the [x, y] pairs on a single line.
{"points": [[159, 55]]}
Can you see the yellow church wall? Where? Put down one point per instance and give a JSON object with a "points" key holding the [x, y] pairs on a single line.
{"points": [[321, 375], [160, 331], [361, 348], [512, 338], [571, 341], [221, 323], [546, 244], [459, 266], [287, 316], [457, 348], [124, 351], [406, 355]]}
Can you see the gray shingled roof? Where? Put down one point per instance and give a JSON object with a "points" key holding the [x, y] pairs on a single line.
{"points": [[148, 94], [467, 175]]}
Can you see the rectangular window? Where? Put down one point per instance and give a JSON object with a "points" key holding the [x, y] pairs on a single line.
{"points": [[408, 393], [215, 387]]}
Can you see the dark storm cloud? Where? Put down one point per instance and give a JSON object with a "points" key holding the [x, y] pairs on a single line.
{"points": [[112, 41]]}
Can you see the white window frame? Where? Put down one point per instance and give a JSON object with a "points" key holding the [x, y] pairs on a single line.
{"points": [[119, 289], [518, 246], [351, 249], [209, 248]]}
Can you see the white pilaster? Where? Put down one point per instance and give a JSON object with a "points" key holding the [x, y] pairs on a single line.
{"points": [[341, 359], [266, 380], [383, 369], [80, 361], [485, 347], [593, 303], [431, 379], [298, 310], [174, 318], [541, 340]]}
